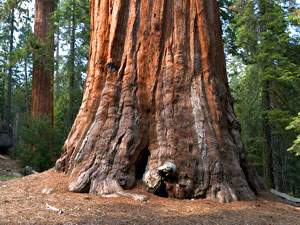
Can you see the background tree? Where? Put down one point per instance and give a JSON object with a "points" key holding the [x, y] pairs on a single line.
{"points": [[4, 59], [9, 13], [22, 60], [266, 85], [12, 72], [43, 65], [25, 53], [73, 20]]}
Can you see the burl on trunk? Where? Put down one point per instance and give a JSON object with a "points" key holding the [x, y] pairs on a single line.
{"points": [[157, 105]]}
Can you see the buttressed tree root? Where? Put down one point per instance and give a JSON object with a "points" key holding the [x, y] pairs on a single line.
{"points": [[157, 106]]}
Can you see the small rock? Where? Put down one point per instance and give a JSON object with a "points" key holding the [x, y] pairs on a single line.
{"points": [[28, 171], [48, 191], [16, 174]]}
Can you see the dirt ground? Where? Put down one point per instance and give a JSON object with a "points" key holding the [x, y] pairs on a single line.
{"points": [[8, 167], [22, 202]]}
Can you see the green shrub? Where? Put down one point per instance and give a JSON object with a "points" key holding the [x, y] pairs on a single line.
{"points": [[40, 144]]}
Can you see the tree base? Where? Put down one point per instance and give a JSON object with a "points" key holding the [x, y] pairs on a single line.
{"points": [[157, 105]]}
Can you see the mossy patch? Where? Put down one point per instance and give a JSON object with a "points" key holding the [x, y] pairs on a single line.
{"points": [[4, 177]]}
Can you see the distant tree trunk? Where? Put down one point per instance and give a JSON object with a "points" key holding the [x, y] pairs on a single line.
{"points": [[57, 60], [57, 57], [26, 89], [157, 105], [266, 107], [72, 65], [268, 153], [43, 65], [11, 46], [281, 162], [3, 113]]}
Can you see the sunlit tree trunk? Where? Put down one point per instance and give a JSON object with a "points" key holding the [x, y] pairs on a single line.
{"points": [[43, 66], [157, 105]]}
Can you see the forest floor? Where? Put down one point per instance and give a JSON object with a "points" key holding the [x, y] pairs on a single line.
{"points": [[9, 168], [22, 202]]}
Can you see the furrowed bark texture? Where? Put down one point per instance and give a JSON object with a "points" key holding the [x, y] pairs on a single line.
{"points": [[43, 67], [157, 87]]}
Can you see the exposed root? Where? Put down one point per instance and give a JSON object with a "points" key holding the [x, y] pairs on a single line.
{"points": [[221, 193], [108, 188], [81, 184], [136, 197], [104, 187]]}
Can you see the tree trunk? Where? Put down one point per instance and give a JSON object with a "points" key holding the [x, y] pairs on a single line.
{"points": [[268, 153], [26, 89], [266, 106], [72, 66], [11, 46], [3, 112], [43, 65], [157, 105], [279, 146], [57, 57]]}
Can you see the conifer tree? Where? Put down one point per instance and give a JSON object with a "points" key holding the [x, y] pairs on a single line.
{"points": [[72, 22], [263, 43]]}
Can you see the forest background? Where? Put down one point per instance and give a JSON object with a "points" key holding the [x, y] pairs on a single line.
{"points": [[262, 46]]}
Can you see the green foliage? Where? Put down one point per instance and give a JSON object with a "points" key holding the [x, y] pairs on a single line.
{"points": [[15, 60], [261, 49], [72, 22], [61, 110], [21, 61], [246, 93], [8, 177], [295, 125], [40, 144], [294, 16]]}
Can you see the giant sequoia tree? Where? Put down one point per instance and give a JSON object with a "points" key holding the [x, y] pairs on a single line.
{"points": [[157, 105], [43, 66]]}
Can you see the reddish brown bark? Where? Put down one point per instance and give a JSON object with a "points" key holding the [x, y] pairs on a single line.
{"points": [[157, 86], [43, 67]]}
